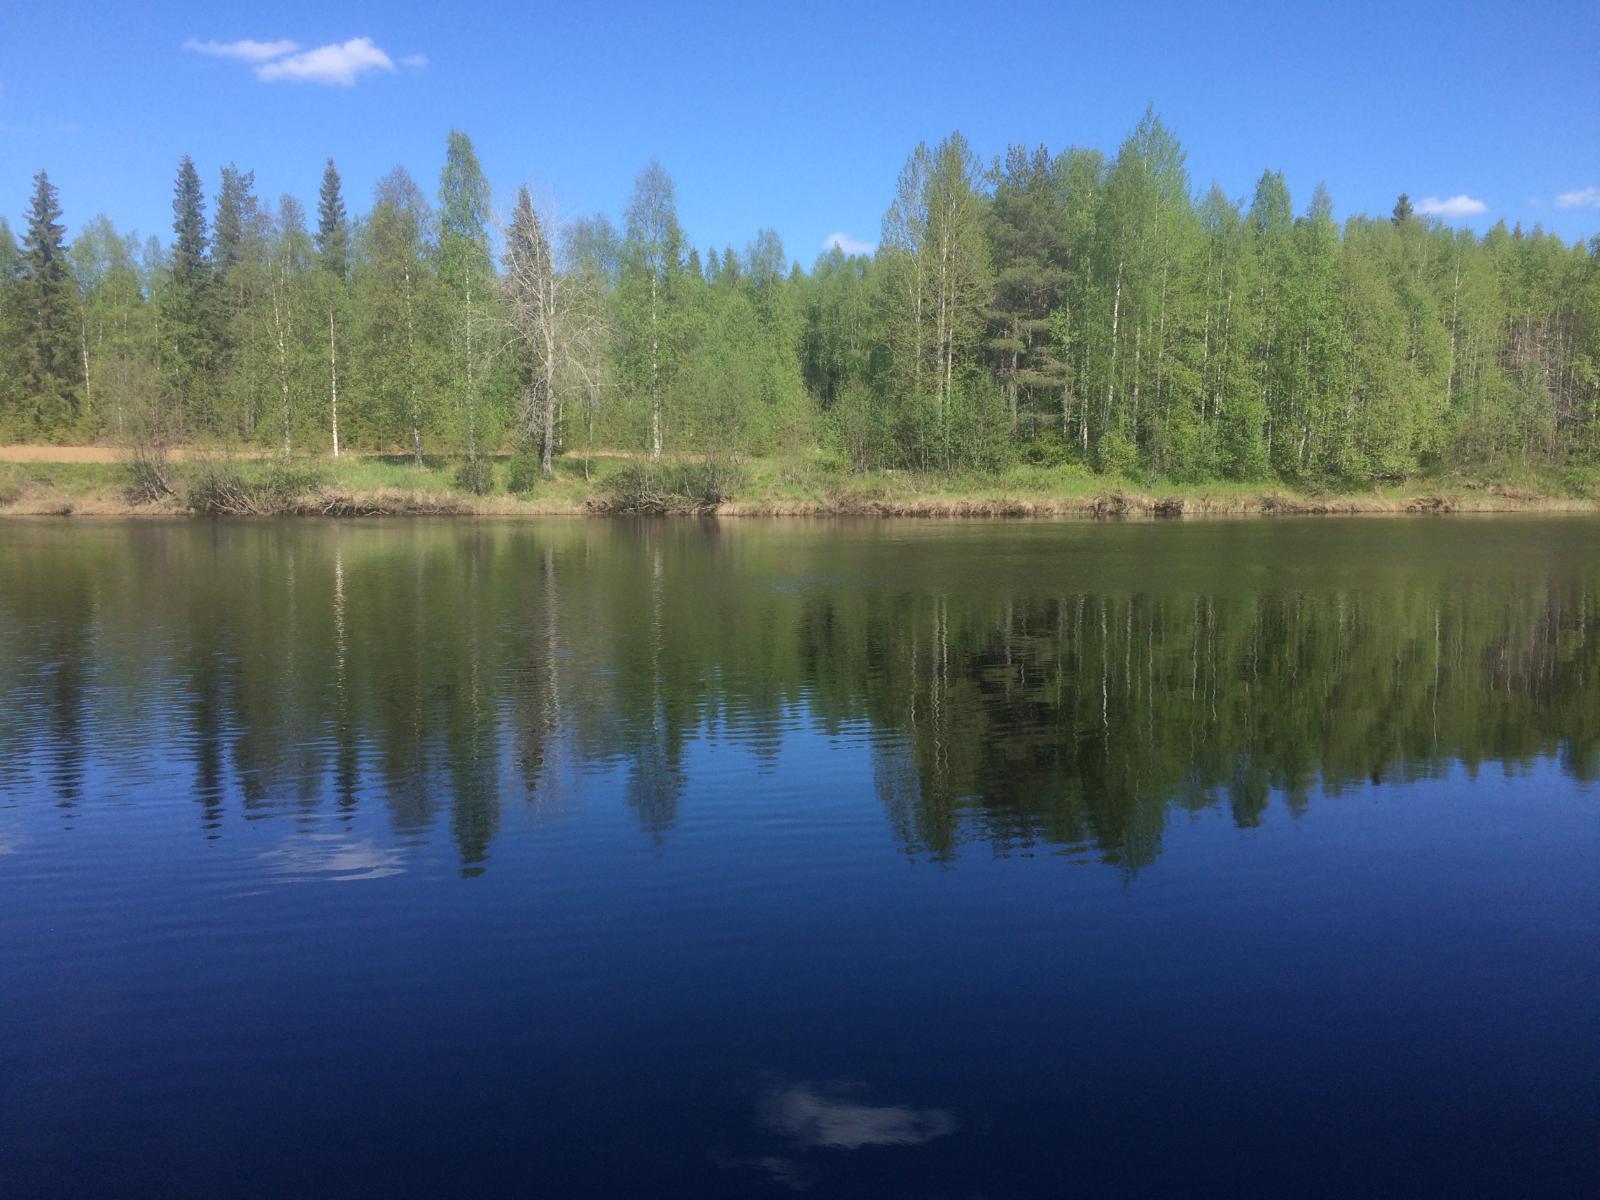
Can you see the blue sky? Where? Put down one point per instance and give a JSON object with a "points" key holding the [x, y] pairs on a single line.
{"points": [[798, 116]]}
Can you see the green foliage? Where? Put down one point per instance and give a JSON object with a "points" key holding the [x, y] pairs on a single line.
{"points": [[1072, 309], [525, 471], [1115, 454], [476, 475], [45, 308]]}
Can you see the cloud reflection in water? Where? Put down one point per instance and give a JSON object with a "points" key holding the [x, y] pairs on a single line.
{"points": [[811, 1118]]}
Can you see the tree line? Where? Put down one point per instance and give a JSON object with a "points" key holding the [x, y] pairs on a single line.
{"points": [[1043, 308]]}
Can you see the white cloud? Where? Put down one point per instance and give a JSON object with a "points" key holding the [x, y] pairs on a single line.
{"points": [[337, 64], [1455, 206], [1588, 197], [848, 244], [246, 49]]}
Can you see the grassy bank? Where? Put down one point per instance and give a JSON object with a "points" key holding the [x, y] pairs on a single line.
{"points": [[379, 485]]}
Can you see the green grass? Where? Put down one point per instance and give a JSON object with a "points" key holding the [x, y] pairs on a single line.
{"points": [[813, 481]]}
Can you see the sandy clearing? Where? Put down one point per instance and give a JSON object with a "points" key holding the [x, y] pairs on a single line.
{"points": [[102, 454], [61, 454]]}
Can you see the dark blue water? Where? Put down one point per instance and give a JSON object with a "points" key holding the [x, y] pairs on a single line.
{"points": [[881, 859]]}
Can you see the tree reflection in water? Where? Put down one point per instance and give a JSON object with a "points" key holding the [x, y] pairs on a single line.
{"points": [[1067, 686]]}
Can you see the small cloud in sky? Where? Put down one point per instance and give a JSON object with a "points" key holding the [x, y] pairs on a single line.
{"points": [[245, 49], [1456, 206], [1588, 197], [848, 244], [338, 64]]}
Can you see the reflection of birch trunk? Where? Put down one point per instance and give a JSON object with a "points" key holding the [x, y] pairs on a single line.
{"points": [[333, 381]]}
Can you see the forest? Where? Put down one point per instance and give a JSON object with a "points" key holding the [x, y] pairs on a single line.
{"points": [[1039, 308]]}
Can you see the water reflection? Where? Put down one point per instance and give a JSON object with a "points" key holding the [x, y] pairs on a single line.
{"points": [[837, 1118], [1020, 687], [330, 857]]}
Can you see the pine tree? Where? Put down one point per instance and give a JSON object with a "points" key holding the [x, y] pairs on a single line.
{"points": [[52, 374], [1402, 210]]}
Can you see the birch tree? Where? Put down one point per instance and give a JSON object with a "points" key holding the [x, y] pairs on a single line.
{"points": [[333, 255], [653, 251], [555, 322]]}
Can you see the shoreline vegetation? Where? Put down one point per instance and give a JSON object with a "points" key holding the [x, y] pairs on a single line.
{"points": [[108, 482], [1036, 333]]}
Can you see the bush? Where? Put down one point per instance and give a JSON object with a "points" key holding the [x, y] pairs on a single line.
{"points": [[662, 488], [1048, 448], [1579, 482], [149, 471], [1115, 454], [222, 489], [526, 471], [475, 475]]}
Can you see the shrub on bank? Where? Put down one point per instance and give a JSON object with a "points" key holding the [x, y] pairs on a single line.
{"points": [[525, 471], [661, 488], [475, 475], [225, 489]]}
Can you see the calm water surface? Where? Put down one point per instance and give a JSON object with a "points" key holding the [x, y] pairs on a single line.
{"points": [[972, 860]]}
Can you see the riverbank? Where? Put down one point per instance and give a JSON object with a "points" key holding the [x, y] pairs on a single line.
{"points": [[94, 481]]}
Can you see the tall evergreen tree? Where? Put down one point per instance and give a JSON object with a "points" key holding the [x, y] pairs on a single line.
{"points": [[333, 255], [186, 345], [333, 225], [51, 370], [240, 396], [1026, 232]]}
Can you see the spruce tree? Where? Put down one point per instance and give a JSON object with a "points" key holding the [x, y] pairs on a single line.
{"points": [[186, 348], [1402, 210], [333, 226], [236, 225], [51, 369], [333, 251], [238, 264]]}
